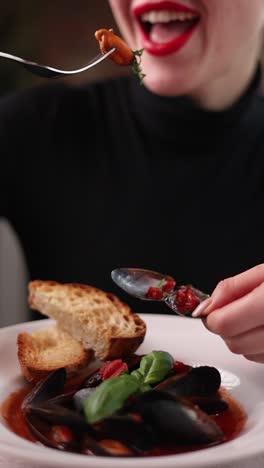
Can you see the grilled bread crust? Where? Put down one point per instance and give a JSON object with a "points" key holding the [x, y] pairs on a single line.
{"points": [[49, 349], [97, 320]]}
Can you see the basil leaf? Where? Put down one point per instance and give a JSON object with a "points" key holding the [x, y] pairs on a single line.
{"points": [[155, 366], [109, 397], [143, 387], [138, 376]]}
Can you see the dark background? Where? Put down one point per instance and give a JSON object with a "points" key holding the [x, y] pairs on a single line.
{"points": [[59, 33]]}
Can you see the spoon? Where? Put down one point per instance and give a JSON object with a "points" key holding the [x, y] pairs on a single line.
{"points": [[149, 285], [50, 72]]}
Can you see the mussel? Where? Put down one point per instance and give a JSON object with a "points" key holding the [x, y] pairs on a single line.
{"points": [[46, 389], [130, 429], [47, 412], [59, 415], [200, 381], [106, 448], [210, 405], [177, 420], [167, 414], [92, 381], [43, 408]]}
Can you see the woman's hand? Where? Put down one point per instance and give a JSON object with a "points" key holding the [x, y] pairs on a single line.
{"points": [[235, 311]]}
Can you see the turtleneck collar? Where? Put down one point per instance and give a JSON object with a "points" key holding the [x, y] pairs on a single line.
{"points": [[178, 117]]}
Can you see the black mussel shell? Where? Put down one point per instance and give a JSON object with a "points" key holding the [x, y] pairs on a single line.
{"points": [[46, 389], [42, 431], [64, 399], [210, 405], [81, 443], [199, 381], [177, 420], [59, 415], [105, 448], [129, 429], [92, 381]]}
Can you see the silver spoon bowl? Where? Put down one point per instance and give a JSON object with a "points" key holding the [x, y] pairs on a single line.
{"points": [[149, 285], [46, 71]]}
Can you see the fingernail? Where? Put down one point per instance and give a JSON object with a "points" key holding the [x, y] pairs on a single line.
{"points": [[201, 308]]}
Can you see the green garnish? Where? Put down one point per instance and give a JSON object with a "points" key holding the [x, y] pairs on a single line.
{"points": [[154, 367], [111, 394], [109, 397], [136, 65]]}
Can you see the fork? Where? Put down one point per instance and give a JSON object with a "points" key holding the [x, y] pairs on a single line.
{"points": [[50, 72]]}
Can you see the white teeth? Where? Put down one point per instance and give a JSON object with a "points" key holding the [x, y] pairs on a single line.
{"points": [[165, 16]]}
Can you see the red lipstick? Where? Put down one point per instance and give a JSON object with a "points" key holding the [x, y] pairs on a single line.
{"points": [[162, 49]]}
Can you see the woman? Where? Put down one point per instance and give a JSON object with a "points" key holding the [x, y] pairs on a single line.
{"points": [[209, 50], [168, 176]]}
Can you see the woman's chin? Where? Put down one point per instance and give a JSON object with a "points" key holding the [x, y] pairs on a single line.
{"points": [[165, 86]]}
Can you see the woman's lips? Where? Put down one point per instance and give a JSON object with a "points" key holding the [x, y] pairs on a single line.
{"points": [[154, 34], [163, 5], [165, 48]]}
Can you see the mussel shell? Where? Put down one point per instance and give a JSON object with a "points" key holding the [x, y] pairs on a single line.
{"points": [[64, 399], [105, 448], [39, 430], [92, 381], [83, 443], [135, 433], [177, 420], [45, 403], [210, 405], [59, 415], [199, 381], [46, 389]]}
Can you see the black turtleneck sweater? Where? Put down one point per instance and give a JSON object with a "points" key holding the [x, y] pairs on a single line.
{"points": [[112, 175]]}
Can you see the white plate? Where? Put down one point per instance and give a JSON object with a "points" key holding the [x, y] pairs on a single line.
{"points": [[188, 341]]}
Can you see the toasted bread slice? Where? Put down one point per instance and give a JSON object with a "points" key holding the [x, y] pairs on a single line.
{"points": [[49, 349], [98, 320]]}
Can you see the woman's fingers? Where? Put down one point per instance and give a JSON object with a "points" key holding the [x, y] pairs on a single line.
{"points": [[250, 343], [235, 311], [255, 357], [239, 316], [232, 289]]}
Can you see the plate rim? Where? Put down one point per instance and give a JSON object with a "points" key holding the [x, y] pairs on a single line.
{"points": [[61, 459]]}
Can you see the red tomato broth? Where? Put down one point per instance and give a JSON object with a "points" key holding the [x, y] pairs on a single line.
{"points": [[12, 413]]}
